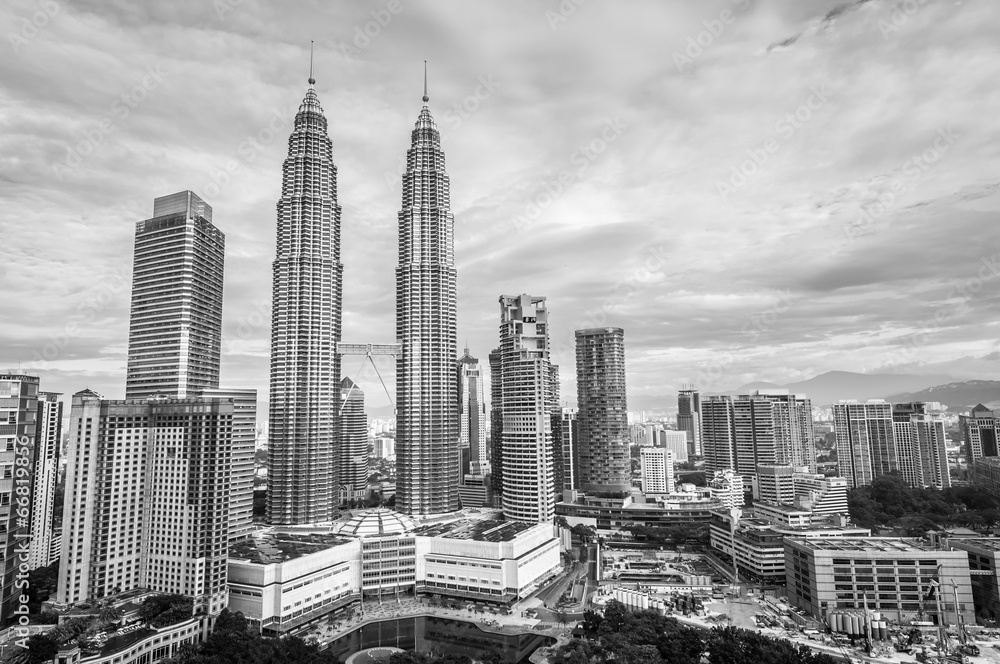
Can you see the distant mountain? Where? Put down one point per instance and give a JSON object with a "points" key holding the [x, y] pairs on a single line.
{"points": [[832, 386], [958, 397]]}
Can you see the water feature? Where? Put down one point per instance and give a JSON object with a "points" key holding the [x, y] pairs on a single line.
{"points": [[440, 636]]}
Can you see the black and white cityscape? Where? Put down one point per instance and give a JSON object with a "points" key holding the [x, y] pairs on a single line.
{"points": [[454, 332]]}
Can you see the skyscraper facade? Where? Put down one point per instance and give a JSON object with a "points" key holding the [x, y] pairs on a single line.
{"points": [[657, 467], [18, 431], [568, 435], [243, 467], [605, 464], [426, 318], [48, 443], [865, 444], [472, 418], [353, 455], [981, 432], [305, 328], [920, 445], [689, 418], [496, 426], [147, 499], [175, 326], [718, 434], [526, 403]]}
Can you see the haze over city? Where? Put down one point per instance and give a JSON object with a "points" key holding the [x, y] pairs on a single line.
{"points": [[752, 190]]}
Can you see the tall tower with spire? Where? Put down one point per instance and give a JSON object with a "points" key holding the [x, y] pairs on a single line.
{"points": [[426, 319], [305, 327]]}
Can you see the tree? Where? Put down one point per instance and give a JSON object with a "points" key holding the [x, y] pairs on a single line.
{"points": [[41, 649]]}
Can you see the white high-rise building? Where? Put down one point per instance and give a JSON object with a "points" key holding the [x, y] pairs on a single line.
{"points": [[920, 446], [727, 487], [526, 390], [676, 442], [147, 499], [865, 444], [48, 443], [175, 324], [472, 421], [244, 447], [657, 467], [426, 327]]}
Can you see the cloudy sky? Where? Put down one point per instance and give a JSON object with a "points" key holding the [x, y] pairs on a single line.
{"points": [[752, 189]]}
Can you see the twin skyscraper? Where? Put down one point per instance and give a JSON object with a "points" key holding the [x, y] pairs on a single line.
{"points": [[306, 328]]}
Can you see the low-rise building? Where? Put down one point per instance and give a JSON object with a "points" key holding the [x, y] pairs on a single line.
{"points": [[984, 567], [890, 575], [688, 505]]}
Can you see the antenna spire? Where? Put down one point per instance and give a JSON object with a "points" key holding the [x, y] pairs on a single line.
{"points": [[312, 81], [426, 98]]}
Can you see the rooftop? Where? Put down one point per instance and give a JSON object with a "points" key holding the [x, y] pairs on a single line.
{"points": [[379, 521], [983, 543], [486, 530], [272, 548], [867, 544]]}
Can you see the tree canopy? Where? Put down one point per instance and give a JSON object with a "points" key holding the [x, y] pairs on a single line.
{"points": [[890, 501]]}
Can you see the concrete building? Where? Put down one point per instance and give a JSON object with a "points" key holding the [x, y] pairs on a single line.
{"points": [[283, 582], [718, 436], [865, 444], [774, 484], [603, 449], [657, 466], [985, 474], [45, 461], [980, 432], [727, 488], [687, 505], [175, 323], [689, 418], [352, 474], [306, 319], [785, 485], [426, 318], [147, 499], [920, 446], [526, 405], [19, 413], [675, 441], [984, 567], [472, 420], [568, 436], [756, 546], [496, 425], [243, 465], [894, 574]]}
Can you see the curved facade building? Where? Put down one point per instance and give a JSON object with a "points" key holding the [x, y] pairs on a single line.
{"points": [[305, 328], [426, 390], [605, 465]]}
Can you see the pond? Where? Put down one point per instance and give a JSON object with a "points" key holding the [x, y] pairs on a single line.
{"points": [[440, 636]]}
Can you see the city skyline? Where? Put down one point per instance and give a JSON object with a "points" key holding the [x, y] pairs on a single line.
{"points": [[868, 280]]}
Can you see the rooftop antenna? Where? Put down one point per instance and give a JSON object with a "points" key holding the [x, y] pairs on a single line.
{"points": [[312, 81], [426, 98]]}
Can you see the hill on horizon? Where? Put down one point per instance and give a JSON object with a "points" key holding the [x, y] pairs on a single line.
{"points": [[957, 396]]}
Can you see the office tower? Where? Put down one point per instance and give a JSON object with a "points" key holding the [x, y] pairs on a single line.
{"points": [[496, 425], [175, 324], [526, 404], [555, 425], [657, 467], [828, 495], [147, 499], [605, 464], [18, 413], [569, 433], [865, 444], [980, 432], [675, 441], [774, 484], [353, 441], [717, 434], [243, 465], [920, 445], [305, 328], [472, 421], [727, 487], [689, 418], [427, 419], [45, 461]]}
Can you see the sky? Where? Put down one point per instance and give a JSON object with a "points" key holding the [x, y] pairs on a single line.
{"points": [[754, 190]]}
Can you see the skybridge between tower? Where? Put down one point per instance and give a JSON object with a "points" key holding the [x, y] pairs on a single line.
{"points": [[368, 351]]}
